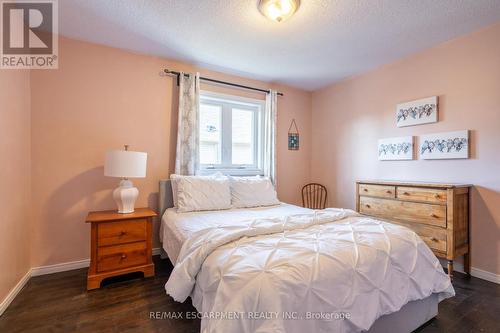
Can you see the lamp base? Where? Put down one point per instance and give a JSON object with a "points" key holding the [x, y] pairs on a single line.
{"points": [[125, 196]]}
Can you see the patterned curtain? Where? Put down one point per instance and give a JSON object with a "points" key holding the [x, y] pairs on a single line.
{"points": [[270, 135], [187, 154]]}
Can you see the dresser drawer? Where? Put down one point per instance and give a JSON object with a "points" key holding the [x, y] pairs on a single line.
{"points": [[380, 191], [434, 237], [405, 211], [113, 233], [121, 256], [421, 194]]}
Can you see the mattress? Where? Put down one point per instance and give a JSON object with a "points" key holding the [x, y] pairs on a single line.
{"points": [[177, 227]]}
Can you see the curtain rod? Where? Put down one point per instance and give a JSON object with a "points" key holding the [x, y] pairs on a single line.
{"points": [[167, 71]]}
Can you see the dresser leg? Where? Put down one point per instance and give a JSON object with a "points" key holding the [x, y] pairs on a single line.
{"points": [[467, 263], [450, 269]]}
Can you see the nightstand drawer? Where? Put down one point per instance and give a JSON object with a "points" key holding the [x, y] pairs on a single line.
{"points": [[121, 256], [380, 191], [113, 233], [422, 194]]}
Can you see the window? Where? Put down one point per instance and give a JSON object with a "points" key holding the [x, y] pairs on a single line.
{"points": [[231, 130]]}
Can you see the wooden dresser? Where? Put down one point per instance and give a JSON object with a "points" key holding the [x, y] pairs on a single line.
{"points": [[120, 244], [438, 213]]}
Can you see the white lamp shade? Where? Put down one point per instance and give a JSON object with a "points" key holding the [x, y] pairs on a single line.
{"points": [[125, 164]]}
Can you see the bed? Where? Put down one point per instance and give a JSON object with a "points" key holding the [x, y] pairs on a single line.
{"points": [[289, 269]]}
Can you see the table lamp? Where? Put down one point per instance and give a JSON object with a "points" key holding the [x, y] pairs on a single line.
{"points": [[125, 164]]}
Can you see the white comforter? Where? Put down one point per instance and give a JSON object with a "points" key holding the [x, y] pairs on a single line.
{"points": [[326, 271]]}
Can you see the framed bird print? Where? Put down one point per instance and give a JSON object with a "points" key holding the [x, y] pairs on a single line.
{"points": [[449, 145], [421, 111]]}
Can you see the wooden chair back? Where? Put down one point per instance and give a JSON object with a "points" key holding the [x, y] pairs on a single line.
{"points": [[314, 196]]}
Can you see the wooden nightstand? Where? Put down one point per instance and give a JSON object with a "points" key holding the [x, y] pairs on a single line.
{"points": [[120, 244]]}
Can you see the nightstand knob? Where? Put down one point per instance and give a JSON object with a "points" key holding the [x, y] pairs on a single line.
{"points": [[437, 196], [123, 233], [388, 191], [434, 215], [124, 256], [406, 193], [367, 206], [365, 189], [434, 239]]}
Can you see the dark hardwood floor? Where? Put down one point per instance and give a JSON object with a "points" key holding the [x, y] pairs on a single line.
{"points": [[60, 303]]}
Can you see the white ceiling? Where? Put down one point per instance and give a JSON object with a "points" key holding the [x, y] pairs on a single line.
{"points": [[324, 42]]}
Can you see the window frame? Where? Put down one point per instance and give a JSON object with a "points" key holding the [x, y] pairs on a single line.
{"points": [[228, 103]]}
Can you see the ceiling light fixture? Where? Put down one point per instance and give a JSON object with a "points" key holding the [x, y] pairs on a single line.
{"points": [[278, 10]]}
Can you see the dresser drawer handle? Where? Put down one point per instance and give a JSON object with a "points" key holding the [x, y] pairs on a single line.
{"points": [[123, 233], [388, 191], [367, 206], [437, 196], [124, 256], [406, 193], [434, 239], [434, 215], [365, 189]]}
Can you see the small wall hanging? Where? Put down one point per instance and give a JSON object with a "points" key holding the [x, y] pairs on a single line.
{"points": [[392, 149], [421, 111], [444, 145], [293, 137]]}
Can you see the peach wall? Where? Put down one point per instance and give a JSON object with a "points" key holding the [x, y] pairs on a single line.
{"points": [[348, 119], [101, 98], [15, 173]]}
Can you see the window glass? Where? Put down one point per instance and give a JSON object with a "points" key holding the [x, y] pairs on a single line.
{"points": [[243, 136], [210, 134]]}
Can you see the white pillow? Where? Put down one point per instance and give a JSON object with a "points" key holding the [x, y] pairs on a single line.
{"points": [[196, 193], [252, 192], [174, 178]]}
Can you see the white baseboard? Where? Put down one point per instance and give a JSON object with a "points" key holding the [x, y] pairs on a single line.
{"points": [[475, 272], [13, 293], [485, 275], [62, 267]]}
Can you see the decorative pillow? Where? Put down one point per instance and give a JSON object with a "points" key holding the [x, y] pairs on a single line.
{"points": [[174, 178], [252, 192], [196, 193]]}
